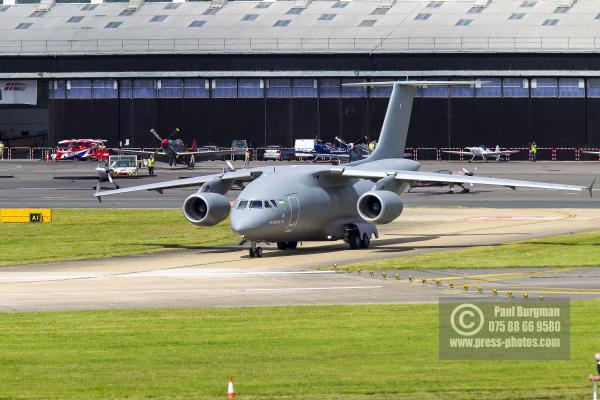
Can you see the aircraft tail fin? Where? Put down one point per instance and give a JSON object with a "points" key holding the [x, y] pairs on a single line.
{"points": [[194, 145], [497, 147], [392, 138], [394, 131]]}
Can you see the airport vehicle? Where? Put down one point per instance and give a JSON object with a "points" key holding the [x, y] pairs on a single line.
{"points": [[118, 166], [304, 148], [81, 149], [293, 203], [450, 185], [272, 153], [124, 165], [483, 152], [177, 152], [238, 148]]}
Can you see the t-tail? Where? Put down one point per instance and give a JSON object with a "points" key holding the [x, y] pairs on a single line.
{"points": [[392, 138]]}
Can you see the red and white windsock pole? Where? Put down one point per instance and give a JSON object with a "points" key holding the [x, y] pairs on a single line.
{"points": [[230, 390]]}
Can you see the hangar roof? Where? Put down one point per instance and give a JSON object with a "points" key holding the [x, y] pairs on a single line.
{"points": [[367, 26]]}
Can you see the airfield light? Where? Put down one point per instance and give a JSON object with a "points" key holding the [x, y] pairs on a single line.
{"points": [[371, 273], [525, 295], [451, 285], [423, 281], [359, 270], [437, 283], [410, 278], [397, 276], [383, 275], [541, 298], [479, 289], [510, 293], [466, 287]]}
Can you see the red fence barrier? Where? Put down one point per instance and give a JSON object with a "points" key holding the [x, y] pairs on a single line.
{"points": [[415, 153]]}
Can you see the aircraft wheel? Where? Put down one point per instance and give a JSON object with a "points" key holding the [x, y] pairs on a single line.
{"points": [[365, 242], [354, 240], [252, 253], [282, 245], [292, 245], [258, 252]]}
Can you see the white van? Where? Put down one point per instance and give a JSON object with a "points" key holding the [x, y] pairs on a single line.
{"points": [[307, 145]]}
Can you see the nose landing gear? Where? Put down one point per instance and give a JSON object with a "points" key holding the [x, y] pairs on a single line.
{"points": [[255, 251]]}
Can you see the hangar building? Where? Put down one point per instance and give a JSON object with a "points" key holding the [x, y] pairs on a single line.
{"points": [[271, 71]]}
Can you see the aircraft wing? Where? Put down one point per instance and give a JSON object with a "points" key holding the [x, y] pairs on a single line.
{"points": [[417, 176], [500, 153], [207, 155], [343, 156], [141, 152], [465, 153], [241, 175]]}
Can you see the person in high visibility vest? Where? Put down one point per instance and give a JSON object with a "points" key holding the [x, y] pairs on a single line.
{"points": [[372, 145], [533, 152], [1, 151], [150, 165]]}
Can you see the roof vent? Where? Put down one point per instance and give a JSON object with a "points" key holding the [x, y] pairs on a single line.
{"points": [[135, 5], [386, 3], [45, 5], [216, 4], [301, 3], [482, 3], [567, 3]]}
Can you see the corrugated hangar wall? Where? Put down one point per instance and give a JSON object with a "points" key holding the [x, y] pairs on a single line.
{"points": [[435, 122], [554, 120]]}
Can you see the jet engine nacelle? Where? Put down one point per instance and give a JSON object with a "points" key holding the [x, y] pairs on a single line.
{"points": [[206, 209], [380, 206]]}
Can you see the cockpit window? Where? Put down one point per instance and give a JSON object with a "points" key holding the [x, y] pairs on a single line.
{"points": [[267, 204], [274, 203], [242, 204], [256, 204]]}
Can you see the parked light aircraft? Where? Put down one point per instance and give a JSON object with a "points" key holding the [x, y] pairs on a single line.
{"points": [[177, 152], [483, 152], [451, 185], [289, 204]]}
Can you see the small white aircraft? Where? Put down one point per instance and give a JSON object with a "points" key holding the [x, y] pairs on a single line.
{"points": [[596, 153], [483, 152]]}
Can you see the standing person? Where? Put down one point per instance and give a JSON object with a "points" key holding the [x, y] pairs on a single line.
{"points": [[533, 152], [150, 164], [1, 150], [372, 145], [246, 157]]}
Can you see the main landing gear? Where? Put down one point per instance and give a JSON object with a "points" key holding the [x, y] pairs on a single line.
{"points": [[255, 251], [356, 242], [287, 245]]}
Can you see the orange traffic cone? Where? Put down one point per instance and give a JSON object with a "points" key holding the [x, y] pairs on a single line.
{"points": [[230, 390]]}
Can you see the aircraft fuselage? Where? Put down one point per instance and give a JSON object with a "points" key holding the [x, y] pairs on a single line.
{"points": [[311, 204]]}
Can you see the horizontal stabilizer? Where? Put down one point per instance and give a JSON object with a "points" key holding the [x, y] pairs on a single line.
{"points": [[414, 83]]}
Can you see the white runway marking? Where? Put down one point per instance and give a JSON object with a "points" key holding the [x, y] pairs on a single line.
{"points": [[191, 272], [168, 273], [233, 290]]}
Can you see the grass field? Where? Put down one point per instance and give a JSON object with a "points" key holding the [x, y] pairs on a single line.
{"points": [[579, 250], [313, 352], [92, 233]]}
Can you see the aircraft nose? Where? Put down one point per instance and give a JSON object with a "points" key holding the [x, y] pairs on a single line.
{"points": [[247, 224]]}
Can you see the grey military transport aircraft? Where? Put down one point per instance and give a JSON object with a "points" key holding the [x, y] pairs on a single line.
{"points": [[294, 203]]}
